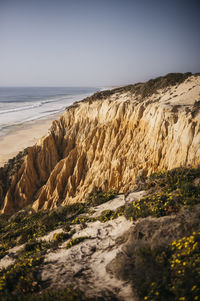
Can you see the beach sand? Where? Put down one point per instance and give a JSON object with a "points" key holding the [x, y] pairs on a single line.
{"points": [[22, 136]]}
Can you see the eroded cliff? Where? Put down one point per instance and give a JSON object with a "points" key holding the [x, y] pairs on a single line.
{"points": [[106, 140]]}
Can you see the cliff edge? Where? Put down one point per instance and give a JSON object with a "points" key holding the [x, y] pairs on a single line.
{"points": [[105, 141]]}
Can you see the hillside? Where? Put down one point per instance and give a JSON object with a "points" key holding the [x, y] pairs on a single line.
{"points": [[140, 246], [107, 205], [105, 141]]}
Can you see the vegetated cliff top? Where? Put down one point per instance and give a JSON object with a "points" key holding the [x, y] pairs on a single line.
{"points": [[145, 89], [105, 141]]}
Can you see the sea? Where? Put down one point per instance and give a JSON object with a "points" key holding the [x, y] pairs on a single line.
{"points": [[19, 105]]}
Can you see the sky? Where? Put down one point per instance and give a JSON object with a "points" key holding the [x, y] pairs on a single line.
{"points": [[96, 43]]}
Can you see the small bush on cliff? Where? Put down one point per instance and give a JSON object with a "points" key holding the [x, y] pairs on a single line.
{"points": [[107, 215], [171, 272], [169, 192], [61, 236], [173, 179], [22, 277], [76, 241], [98, 196]]}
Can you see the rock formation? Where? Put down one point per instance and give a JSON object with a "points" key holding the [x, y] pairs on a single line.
{"points": [[105, 140]]}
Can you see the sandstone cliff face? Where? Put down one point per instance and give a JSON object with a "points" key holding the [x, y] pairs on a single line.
{"points": [[106, 143]]}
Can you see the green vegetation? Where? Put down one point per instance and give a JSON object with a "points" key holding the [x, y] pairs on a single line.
{"points": [[8, 170], [83, 219], [153, 85], [61, 236], [98, 197], [173, 179], [22, 277], [105, 216], [76, 241], [145, 89], [171, 272], [110, 214], [169, 192], [167, 271], [26, 225]]}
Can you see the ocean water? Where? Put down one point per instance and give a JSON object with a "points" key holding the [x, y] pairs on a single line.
{"points": [[19, 105]]}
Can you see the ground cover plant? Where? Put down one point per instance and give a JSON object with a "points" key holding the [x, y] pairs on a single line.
{"points": [[76, 241], [168, 192], [98, 196], [170, 272], [23, 277], [145, 89]]}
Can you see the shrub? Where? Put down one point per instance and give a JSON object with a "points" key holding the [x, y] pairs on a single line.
{"points": [[98, 197], [107, 215], [169, 191], [185, 267], [60, 236], [158, 204], [76, 241], [173, 179], [169, 272], [22, 277]]}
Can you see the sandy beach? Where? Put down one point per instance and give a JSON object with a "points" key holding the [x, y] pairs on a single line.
{"points": [[23, 136]]}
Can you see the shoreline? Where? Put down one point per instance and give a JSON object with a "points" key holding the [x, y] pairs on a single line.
{"points": [[26, 134], [22, 136]]}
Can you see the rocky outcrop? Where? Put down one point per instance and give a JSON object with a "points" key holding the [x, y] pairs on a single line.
{"points": [[106, 140]]}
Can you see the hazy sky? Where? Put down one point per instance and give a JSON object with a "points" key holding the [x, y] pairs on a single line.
{"points": [[96, 43]]}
